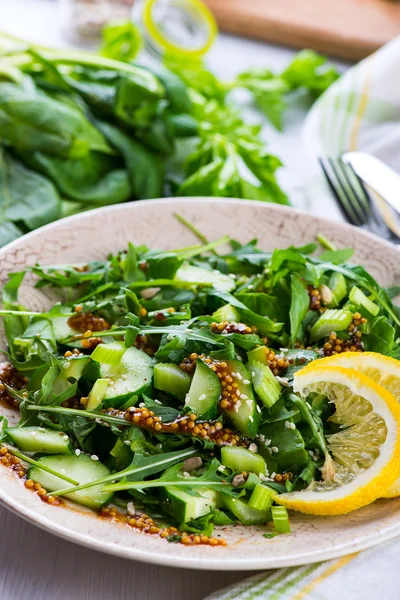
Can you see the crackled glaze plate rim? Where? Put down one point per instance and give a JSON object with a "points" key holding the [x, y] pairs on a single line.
{"points": [[239, 556]]}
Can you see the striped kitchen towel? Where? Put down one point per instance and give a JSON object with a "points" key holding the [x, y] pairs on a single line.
{"points": [[370, 575]]}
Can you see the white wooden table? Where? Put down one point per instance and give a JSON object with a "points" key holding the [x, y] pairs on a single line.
{"points": [[35, 565]]}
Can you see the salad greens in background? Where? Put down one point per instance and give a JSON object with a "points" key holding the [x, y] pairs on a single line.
{"points": [[143, 332], [80, 130]]}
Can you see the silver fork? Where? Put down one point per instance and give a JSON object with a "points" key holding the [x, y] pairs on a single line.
{"points": [[355, 201]]}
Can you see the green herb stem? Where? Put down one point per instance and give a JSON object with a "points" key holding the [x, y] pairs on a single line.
{"points": [[39, 465], [126, 472]]}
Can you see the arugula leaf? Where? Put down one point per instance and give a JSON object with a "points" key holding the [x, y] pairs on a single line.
{"points": [[211, 478]]}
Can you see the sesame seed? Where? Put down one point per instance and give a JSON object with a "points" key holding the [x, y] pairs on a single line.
{"points": [[258, 408], [233, 374], [157, 401], [97, 420], [42, 429], [274, 449], [66, 365], [238, 375], [127, 442], [202, 397], [249, 402], [251, 419], [65, 438], [253, 374], [186, 474], [158, 446], [244, 397], [273, 475], [253, 448], [292, 426], [287, 424], [237, 393], [267, 441], [142, 405], [130, 507], [246, 381], [77, 452], [94, 457], [221, 468]]}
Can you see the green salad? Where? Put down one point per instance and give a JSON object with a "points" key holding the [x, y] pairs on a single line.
{"points": [[159, 389]]}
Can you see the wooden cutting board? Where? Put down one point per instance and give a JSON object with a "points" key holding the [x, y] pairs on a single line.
{"points": [[349, 29]]}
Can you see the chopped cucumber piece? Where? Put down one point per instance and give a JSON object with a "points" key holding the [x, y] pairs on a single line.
{"points": [[204, 392], [265, 384], [71, 369], [226, 313], [40, 439], [81, 468], [61, 327], [262, 497], [241, 459], [259, 354], [331, 320], [358, 298], [245, 416], [245, 513], [170, 378], [97, 394], [109, 354], [280, 518], [215, 278], [184, 507], [133, 375]]}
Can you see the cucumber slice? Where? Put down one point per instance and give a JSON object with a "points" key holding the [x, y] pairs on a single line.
{"points": [[358, 298], [245, 417], [170, 378], [97, 394], [184, 507], [61, 328], [217, 279], [226, 313], [245, 513], [133, 375], [241, 459], [40, 439], [204, 392], [331, 320], [265, 384], [71, 369], [81, 468]]}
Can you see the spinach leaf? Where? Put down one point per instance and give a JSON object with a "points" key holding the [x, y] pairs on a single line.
{"points": [[380, 337], [33, 121], [25, 196]]}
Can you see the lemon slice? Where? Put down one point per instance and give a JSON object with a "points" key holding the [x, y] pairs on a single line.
{"points": [[363, 460], [382, 369]]}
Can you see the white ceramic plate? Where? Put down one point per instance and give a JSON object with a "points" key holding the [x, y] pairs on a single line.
{"points": [[93, 235]]}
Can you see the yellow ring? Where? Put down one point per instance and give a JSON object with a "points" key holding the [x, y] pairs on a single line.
{"points": [[153, 30]]}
